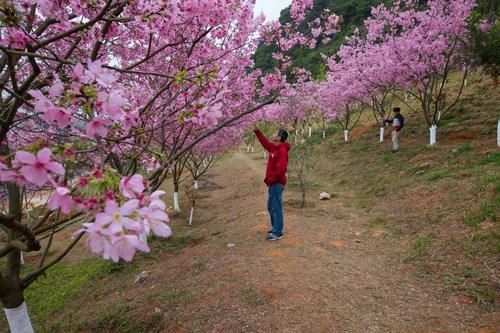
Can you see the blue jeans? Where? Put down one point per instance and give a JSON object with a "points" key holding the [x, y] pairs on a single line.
{"points": [[275, 208]]}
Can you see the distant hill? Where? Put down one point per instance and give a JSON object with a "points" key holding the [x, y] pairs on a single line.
{"points": [[353, 12]]}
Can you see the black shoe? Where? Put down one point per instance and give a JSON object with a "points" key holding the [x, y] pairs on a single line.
{"points": [[394, 151], [273, 237], [270, 232]]}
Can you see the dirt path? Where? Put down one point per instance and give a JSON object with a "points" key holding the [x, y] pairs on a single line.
{"points": [[331, 272]]}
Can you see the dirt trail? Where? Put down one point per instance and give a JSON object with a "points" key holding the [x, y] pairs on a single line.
{"points": [[331, 272]]}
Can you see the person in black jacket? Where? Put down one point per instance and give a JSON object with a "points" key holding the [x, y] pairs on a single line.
{"points": [[397, 124]]}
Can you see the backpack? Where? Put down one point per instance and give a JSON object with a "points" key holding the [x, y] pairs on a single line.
{"points": [[401, 121]]}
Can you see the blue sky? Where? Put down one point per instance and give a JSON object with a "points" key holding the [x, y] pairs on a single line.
{"points": [[271, 8]]}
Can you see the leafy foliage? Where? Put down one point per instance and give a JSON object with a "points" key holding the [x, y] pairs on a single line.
{"points": [[353, 13]]}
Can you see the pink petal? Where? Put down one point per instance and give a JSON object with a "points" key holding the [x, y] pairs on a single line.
{"points": [[55, 167], [34, 175], [44, 155], [25, 157], [110, 207], [129, 207], [161, 229]]}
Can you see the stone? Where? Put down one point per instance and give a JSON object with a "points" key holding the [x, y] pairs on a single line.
{"points": [[142, 277], [231, 245], [324, 196]]}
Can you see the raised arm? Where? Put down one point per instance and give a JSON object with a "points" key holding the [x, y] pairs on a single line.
{"points": [[268, 145]]}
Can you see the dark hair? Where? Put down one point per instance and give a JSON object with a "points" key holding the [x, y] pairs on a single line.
{"points": [[283, 134], [396, 109]]}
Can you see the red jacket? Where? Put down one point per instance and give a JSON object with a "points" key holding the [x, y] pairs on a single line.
{"points": [[277, 163]]}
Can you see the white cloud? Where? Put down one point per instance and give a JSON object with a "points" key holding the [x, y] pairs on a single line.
{"points": [[271, 8]]}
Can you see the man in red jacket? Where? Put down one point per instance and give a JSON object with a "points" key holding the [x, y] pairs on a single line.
{"points": [[275, 178]]}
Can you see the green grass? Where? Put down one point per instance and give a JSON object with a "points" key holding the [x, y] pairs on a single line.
{"points": [[174, 243], [50, 293], [462, 148], [199, 267], [177, 296], [441, 174], [493, 157], [421, 247], [474, 218], [252, 297], [470, 282]]}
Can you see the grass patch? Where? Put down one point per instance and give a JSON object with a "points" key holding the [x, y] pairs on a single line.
{"points": [[49, 294], [252, 297], [481, 243], [199, 267], [493, 157], [474, 218], [420, 247], [440, 174], [172, 244], [462, 148], [360, 147], [470, 282], [120, 317], [177, 296]]}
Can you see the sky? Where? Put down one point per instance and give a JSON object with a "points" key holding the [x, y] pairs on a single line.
{"points": [[271, 8]]}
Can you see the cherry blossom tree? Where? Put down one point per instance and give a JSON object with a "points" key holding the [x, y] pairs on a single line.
{"points": [[98, 99]]}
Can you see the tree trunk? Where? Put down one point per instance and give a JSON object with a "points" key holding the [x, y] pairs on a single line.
{"points": [[11, 290], [498, 133], [191, 214], [382, 134], [346, 136], [177, 207], [19, 319], [432, 135], [303, 202]]}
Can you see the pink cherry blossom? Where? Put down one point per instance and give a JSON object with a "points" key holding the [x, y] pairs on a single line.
{"points": [[131, 187], [124, 247], [118, 218], [36, 169], [15, 38], [61, 198], [155, 217], [79, 74], [97, 126], [99, 74]]}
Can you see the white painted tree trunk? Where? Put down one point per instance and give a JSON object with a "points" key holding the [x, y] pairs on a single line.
{"points": [[265, 155], [465, 83], [346, 135], [196, 186], [177, 208], [498, 133], [252, 149], [22, 257], [191, 216], [324, 134], [382, 134], [432, 135], [144, 238], [406, 97], [19, 319], [248, 149], [310, 131]]}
